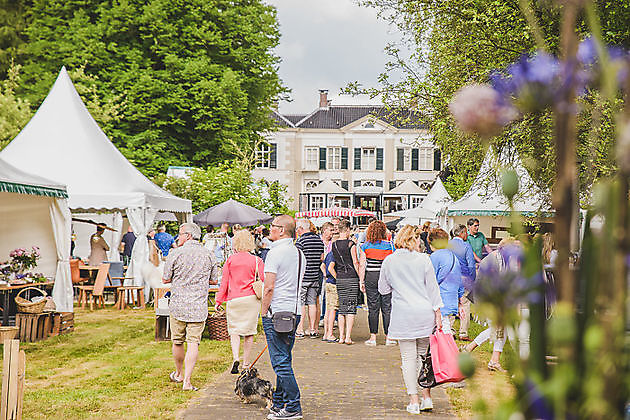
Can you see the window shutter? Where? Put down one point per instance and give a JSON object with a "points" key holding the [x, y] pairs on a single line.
{"points": [[379, 159], [392, 184], [273, 156], [414, 159], [322, 158], [344, 158], [357, 183], [344, 185], [357, 158], [400, 159], [437, 160], [379, 183]]}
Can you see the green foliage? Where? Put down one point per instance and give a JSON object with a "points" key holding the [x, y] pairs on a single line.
{"points": [[174, 79], [15, 111]]}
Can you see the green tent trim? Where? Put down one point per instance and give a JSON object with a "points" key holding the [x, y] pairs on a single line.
{"points": [[12, 187]]}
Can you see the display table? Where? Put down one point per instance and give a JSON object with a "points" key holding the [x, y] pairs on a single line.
{"points": [[7, 298]]}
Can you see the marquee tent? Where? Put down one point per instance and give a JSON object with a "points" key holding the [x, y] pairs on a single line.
{"points": [[62, 142], [335, 211], [429, 209], [437, 198], [34, 212]]}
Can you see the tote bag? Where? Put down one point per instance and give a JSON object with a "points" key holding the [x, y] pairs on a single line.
{"points": [[444, 355]]}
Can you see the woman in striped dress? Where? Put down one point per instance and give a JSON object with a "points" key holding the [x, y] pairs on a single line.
{"points": [[375, 249], [344, 268]]}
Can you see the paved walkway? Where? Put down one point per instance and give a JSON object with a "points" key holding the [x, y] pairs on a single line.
{"points": [[336, 382]]}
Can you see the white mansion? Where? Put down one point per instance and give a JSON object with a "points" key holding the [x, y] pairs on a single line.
{"points": [[350, 156]]}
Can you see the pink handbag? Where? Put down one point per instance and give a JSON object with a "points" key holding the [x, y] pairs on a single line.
{"points": [[444, 355]]}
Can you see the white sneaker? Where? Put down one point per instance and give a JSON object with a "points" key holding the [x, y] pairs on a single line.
{"points": [[321, 322], [389, 342], [370, 342], [413, 408], [427, 405]]}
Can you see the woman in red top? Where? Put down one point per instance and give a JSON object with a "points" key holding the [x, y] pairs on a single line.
{"points": [[243, 307]]}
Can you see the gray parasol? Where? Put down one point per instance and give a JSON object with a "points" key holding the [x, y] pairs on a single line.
{"points": [[232, 212]]}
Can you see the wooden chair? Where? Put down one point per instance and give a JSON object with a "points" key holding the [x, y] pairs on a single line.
{"points": [[94, 293], [75, 275]]}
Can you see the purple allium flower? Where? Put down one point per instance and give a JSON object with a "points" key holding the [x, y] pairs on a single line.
{"points": [[480, 109]]}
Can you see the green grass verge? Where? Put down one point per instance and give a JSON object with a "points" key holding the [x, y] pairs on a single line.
{"points": [[111, 367]]}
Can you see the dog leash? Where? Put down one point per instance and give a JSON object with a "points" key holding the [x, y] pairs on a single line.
{"points": [[259, 354]]}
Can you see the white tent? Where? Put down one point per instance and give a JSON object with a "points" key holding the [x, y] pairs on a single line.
{"points": [[437, 198], [485, 197], [62, 142], [429, 209], [34, 212]]}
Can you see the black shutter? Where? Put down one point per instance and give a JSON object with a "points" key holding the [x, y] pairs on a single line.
{"points": [[414, 159], [437, 160], [344, 158], [379, 183], [357, 183], [392, 185], [273, 156], [357, 158], [322, 158], [400, 159], [344, 185], [379, 159]]}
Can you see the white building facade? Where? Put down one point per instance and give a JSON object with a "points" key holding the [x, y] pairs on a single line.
{"points": [[363, 150]]}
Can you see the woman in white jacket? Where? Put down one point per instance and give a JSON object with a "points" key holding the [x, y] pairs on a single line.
{"points": [[410, 277]]}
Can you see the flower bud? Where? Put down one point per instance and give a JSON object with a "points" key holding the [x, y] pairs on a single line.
{"points": [[509, 183]]}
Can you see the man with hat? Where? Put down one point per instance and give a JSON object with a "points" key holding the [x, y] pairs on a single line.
{"points": [[98, 246]]}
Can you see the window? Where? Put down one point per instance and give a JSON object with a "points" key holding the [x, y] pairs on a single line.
{"points": [[309, 184], [415, 202], [317, 202], [425, 159], [368, 183], [403, 159], [263, 156], [368, 159], [311, 158], [341, 202], [334, 158]]}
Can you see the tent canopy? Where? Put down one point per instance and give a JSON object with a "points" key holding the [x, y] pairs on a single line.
{"points": [[232, 212], [407, 187], [62, 142], [14, 180], [416, 213], [335, 211], [485, 197], [437, 198], [328, 187]]}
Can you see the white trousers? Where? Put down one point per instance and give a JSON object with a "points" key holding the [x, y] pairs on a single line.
{"points": [[522, 332], [411, 352]]}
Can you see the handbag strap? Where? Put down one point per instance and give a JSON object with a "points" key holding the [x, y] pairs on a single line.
{"points": [[256, 269], [297, 287]]}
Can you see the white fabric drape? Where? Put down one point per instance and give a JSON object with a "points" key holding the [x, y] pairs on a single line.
{"points": [[117, 223], [141, 221], [61, 221]]}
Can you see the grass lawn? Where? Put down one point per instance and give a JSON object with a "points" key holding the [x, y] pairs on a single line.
{"points": [[111, 367], [485, 390]]}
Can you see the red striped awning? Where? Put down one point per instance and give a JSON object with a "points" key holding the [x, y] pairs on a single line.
{"points": [[335, 211]]}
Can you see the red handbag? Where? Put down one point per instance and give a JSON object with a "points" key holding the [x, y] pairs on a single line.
{"points": [[444, 355]]}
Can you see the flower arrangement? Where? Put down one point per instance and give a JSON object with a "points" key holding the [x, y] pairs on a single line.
{"points": [[23, 259]]}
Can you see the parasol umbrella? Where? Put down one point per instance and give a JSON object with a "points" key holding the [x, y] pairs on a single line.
{"points": [[232, 212], [393, 223]]}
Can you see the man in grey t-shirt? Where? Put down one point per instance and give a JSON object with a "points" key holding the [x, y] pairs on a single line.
{"points": [[283, 277]]}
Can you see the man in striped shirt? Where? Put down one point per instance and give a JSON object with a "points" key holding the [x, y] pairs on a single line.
{"points": [[312, 246]]}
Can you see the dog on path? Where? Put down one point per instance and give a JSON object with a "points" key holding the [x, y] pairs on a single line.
{"points": [[249, 384]]}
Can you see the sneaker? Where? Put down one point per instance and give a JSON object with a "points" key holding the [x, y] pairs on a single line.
{"points": [[234, 370], [389, 342], [286, 415], [413, 409], [427, 405], [370, 342], [273, 411], [321, 322], [464, 337]]}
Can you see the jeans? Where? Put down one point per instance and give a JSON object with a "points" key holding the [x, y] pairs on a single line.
{"points": [[377, 303], [287, 393]]}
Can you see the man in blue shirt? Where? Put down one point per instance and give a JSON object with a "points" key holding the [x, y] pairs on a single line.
{"points": [[464, 253], [164, 241]]}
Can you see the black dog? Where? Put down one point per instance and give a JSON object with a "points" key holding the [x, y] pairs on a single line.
{"points": [[250, 384]]}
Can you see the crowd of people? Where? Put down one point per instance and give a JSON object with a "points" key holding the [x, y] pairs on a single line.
{"points": [[412, 281]]}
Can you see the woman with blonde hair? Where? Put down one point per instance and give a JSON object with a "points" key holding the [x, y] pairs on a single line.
{"points": [[243, 307], [409, 276]]}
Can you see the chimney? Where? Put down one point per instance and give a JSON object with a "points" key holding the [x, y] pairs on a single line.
{"points": [[323, 98]]}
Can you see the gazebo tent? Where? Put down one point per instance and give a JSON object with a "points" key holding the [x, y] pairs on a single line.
{"points": [[34, 212], [485, 200], [429, 209], [62, 142], [437, 198]]}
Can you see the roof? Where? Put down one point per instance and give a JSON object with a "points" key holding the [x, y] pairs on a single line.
{"points": [[63, 143], [328, 187], [407, 187], [15, 180], [438, 197], [338, 116]]}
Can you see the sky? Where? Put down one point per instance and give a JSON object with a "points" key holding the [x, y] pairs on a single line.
{"points": [[325, 44]]}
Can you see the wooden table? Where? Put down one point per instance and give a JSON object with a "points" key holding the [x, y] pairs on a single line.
{"points": [[91, 269], [9, 308]]}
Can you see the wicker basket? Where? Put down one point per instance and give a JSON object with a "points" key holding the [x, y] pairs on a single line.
{"points": [[7, 333], [217, 326], [28, 307]]}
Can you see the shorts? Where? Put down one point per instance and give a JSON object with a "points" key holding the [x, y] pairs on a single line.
{"points": [[189, 332], [332, 298], [309, 293]]}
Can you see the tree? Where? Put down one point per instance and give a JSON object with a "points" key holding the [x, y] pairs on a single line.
{"points": [[15, 111], [452, 43], [184, 75]]}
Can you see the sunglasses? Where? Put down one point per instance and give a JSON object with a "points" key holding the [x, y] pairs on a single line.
{"points": [[277, 226]]}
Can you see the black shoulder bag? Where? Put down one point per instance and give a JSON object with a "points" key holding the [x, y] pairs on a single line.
{"points": [[284, 322]]}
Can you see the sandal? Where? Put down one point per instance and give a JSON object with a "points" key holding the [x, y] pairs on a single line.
{"points": [[494, 366], [349, 342], [193, 388], [299, 335], [172, 378], [332, 340]]}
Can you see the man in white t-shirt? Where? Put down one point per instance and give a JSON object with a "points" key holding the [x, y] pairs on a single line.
{"points": [[283, 277]]}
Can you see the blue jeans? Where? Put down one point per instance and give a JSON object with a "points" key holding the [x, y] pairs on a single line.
{"points": [[287, 393]]}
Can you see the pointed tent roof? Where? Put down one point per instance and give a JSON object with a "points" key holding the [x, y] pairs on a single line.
{"points": [[14, 180], [327, 187], [437, 198], [407, 187], [415, 213], [63, 143], [485, 197]]}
